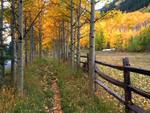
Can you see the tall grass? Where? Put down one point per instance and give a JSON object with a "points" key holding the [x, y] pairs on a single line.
{"points": [[37, 93], [74, 89]]}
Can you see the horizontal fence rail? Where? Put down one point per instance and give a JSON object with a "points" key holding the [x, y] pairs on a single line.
{"points": [[140, 92], [127, 68], [109, 79], [110, 91], [83, 56], [130, 107]]}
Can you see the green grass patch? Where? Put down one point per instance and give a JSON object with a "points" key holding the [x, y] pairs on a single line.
{"points": [[74, 91], [37, 92], [74, 88]]}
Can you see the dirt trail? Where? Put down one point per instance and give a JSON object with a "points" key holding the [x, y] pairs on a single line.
{"points": [[57, 98]]}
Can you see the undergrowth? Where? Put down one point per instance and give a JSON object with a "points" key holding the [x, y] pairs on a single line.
{"points": [[38, 97], [74, 89], [37, 93]]}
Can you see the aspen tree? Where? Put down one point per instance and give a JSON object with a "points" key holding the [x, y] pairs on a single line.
{"points": [[25, 39], [78, 33], [13, 49], [72, 34], [2, 66], [31, 40], [92, 47], [40, 36], [20, 48]]}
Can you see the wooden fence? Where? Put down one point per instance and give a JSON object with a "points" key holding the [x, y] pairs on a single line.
{"points": [[130, 107]]}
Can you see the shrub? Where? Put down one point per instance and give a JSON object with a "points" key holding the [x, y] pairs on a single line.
{"points": [[100, 41], [140, 42]]}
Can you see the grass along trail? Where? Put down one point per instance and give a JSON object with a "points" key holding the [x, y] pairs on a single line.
{"points": [[74, 90], [38, 95], [51, 87]]}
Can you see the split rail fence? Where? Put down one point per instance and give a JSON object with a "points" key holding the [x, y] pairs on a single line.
{"points": [[130, 107]]}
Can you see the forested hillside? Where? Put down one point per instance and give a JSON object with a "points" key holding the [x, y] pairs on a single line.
{"points": [[126, 5], [117, 30]]}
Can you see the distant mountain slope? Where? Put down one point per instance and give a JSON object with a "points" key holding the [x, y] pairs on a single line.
{"points": [[145, 9], [126, 5], [117, 31]]}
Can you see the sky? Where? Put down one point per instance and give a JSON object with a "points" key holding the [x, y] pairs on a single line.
{"points": [[99, 5]]}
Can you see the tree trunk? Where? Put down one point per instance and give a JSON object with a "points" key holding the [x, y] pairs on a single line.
{"points": [[40, 36], [31, 41], [26, 41], [54, 49], [67, 43], [92, 48], [64, 40], [2, 64], [72, 34], [13, 49], [20, 49], [32, 44], [59, 45], [60, 41], [79, 34]]}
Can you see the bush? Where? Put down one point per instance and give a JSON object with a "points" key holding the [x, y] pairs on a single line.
{"points": [[141, 42], [100, 41]]}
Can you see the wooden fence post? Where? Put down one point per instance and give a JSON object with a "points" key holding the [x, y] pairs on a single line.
{"points": [[127, 82]]}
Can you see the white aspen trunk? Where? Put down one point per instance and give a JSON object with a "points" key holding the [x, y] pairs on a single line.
{"points": [[54, 49], [75, 47], [2, 65], [67, 43], [92, 47], [32, 44], [72, 34], [63, 39], [26, 41], [13, 51], [20, 49], [31, 41], [57, 49], [40, 36], [78, 34], [66, 46], [59, 45], [61, 49]]}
